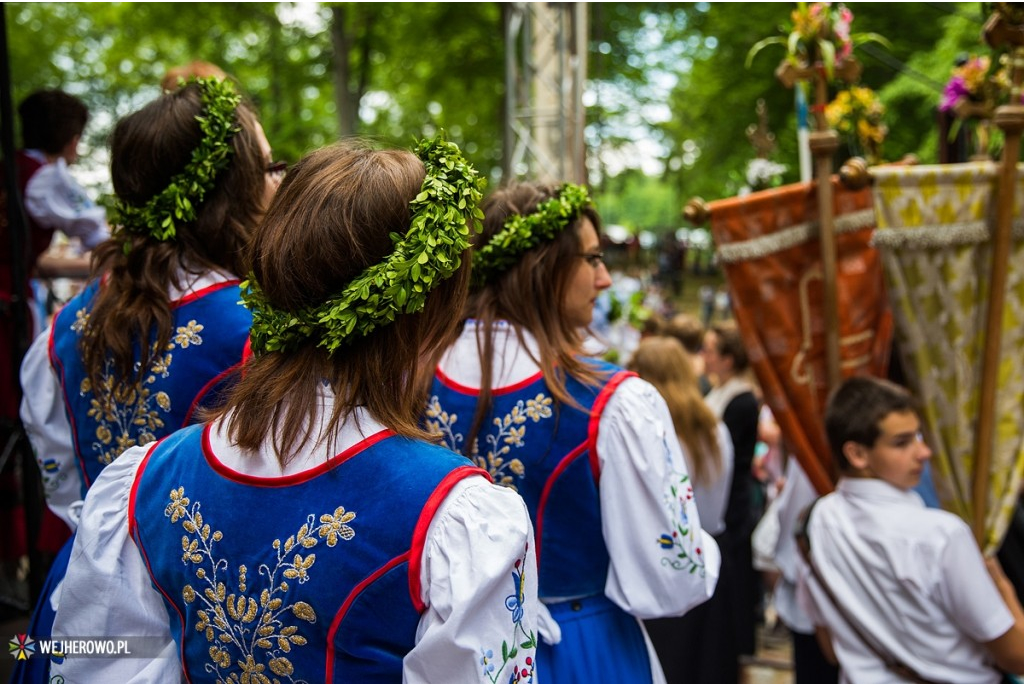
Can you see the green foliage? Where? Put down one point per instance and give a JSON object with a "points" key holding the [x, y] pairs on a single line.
{"points": [[522, 233], [300, 69], [638, 202], [186, 191], [429, 253]]}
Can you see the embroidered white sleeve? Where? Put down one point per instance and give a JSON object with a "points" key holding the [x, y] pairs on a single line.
{"points": [[107, 590], [479, 582], [46, 423], [662, 562], [55, 199]]}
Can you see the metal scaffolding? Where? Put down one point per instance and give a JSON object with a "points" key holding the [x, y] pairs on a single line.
{"points": [[545, 65]]}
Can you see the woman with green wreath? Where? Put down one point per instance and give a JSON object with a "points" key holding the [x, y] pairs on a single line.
{"points": [[307, 532], [590, 448], [151, 340]]}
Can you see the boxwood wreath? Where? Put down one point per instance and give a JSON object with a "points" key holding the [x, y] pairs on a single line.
{"points": [[430, 252], [178, 202], [522, 233]]}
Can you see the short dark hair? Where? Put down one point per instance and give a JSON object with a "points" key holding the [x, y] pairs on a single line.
{"points": [[50, 119], [857, 407], [730, 344]]}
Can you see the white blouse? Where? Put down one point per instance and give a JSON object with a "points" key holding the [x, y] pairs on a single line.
{"points": [[477, 536], [638, 451], [55, 200]]}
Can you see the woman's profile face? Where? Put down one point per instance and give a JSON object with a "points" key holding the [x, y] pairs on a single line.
{"points": [[589, 278]]}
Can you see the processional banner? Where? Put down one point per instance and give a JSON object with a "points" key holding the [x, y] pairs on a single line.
{"points": [[768, 245], [934, 233]]}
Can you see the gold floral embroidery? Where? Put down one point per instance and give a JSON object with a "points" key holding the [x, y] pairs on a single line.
{"points": [[248, 636], [81, 320], [511, 432], [128, 415], [189, 335]]}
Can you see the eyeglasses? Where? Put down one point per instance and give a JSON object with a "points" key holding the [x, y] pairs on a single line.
{"points": [[277, 169], [594, 259]]}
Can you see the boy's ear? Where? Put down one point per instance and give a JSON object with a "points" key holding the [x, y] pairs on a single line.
{"points": [[856, 454]]}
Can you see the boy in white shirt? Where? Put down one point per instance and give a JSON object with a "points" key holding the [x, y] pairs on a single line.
{"points": [[907, 579]]}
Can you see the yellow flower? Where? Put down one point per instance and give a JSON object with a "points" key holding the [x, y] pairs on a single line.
{"points": [[334, 526]]}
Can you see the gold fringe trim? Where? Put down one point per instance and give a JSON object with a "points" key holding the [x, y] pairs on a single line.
{"points": [[792, 236]]}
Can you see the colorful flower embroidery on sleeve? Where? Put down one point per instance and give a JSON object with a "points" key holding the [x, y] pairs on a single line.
{"points": [[522, 639]]}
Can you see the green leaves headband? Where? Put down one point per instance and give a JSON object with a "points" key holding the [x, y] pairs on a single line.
{"points": [[429, 253], [522, 233], [177, 202]]}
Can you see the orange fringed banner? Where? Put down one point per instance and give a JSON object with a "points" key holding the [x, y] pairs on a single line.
{"points": [[767, 243]]}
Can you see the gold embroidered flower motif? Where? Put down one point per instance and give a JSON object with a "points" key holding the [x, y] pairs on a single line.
{"points": [[511, 433], [248, 636], [189, 334], [333, 526], [127, 415], [81, 320]]}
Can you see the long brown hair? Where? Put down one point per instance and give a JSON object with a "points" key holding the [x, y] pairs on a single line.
{"points": [[530, 297], [330, 220], [662, 362], [148, 148]]}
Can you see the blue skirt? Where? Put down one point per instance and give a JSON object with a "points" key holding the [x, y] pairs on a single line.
{"points": [[37, 668], [601, 643]]}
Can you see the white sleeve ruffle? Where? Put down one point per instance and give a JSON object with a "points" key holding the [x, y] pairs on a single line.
{"points": [[106, 570], [46, 423], [662, 562], [479, 582]]}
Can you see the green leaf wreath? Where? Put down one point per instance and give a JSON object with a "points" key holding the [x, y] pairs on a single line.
{"points": [[522, 233], [180, 200], [430, 252]]}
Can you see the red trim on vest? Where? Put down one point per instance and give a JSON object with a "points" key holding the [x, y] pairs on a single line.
{"points": [[292, 479], [546, 492], [447, 381], [135, 487], [346, 605], [133, 531], [419, 533], [595, 418], [202, 292], [205, 389]]}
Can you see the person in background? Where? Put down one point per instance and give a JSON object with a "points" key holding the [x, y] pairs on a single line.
{"points": [[52, 124], [689, 331], [732, 400], [589, 447], [899, 592], [698, 647], [150, 340], [378, 557]]}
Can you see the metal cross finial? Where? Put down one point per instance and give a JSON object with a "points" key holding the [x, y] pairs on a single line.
{"points": [[760, 136]]}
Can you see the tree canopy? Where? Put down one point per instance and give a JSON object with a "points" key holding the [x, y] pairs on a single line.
{"points": [[668, 96]]}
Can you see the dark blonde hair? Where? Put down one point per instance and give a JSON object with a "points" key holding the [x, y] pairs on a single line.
{"points": [[530, 296], [330, 220], [148, 148], [687, 330], [662, 362]]}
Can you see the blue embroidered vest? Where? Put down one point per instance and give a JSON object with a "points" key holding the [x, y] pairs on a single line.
{"points": [[305, 578], [549, 456], [209, 333]]}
